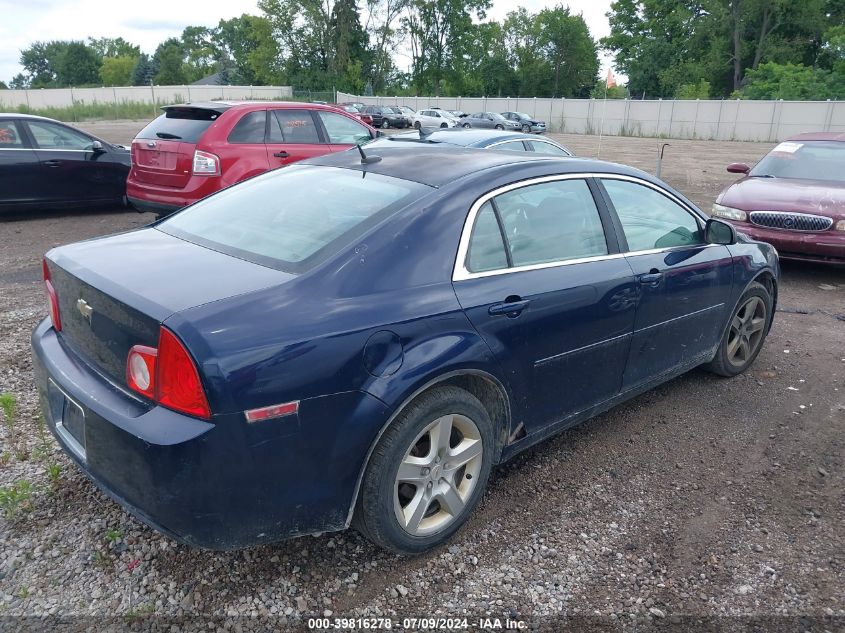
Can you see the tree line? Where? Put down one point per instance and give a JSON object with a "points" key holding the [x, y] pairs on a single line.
{"points": [[667, 48], [757, 49]]}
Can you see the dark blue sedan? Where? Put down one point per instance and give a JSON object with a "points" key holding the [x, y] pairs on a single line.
{"points": [[480, 139], [350, 341]]}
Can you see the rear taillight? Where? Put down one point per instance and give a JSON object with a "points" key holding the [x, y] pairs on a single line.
{"points": [[167, 375], [52, 298], [206, 164]]}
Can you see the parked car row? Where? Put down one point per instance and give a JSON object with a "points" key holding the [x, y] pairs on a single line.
{"points": [[403, 116]]}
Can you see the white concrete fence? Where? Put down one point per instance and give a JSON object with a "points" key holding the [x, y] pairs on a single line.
{"points": [[66, 97], [727, 120]]}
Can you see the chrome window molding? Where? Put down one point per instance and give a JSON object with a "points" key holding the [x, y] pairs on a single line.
{"points": [[461, 273], [43, 149]]}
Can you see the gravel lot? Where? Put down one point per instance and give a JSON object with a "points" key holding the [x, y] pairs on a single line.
{"points": [[706, 498]]}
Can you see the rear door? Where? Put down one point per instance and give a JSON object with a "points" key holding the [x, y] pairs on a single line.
{"points": [[20, 171], [539, 276], [71, 171], [245, 153], [683, 282], [163, 152], [342, 131], [293, 135]]}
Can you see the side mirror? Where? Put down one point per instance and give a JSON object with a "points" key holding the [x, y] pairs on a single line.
{"points": [[379, 134], [97, 147], [738, 168], [718, 232]]}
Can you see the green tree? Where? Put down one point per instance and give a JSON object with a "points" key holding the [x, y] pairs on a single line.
{"points": [[700, 90], [565, 40], [792, 82], [614, 92], [117, 71], [168, 61], [143, 71], [200, 53], [113, 47], [19, 82], [248, 41], [78, 65]]}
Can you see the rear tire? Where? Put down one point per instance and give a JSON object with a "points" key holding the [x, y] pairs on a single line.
{"points": [[427, 472], [417, 125], [385, 124], [442, 125], [467, 126], [745, 333]]}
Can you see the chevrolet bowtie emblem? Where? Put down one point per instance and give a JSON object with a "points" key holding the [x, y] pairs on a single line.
{"points": [[84, 309]]}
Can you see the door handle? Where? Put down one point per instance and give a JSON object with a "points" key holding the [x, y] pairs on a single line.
{"points": [[510, 308], [52, 163], [652, 279], [282, 154]]}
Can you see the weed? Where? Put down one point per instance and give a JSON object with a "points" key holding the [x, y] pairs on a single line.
{"points": [[42, 453], [142, 610], [113, 536], [15, 499], [23, 592]]}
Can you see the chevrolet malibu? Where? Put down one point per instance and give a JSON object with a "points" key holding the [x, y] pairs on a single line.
{"points": [[358, 339]]}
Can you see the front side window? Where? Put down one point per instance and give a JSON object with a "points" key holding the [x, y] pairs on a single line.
{"points": [[541, 147], [250, 129], [293, 126], [344, 130], [293, 218], [650, 219], [510, 146], [51, 136]]}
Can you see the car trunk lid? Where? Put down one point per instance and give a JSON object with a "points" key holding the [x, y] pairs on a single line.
{"points": [[115, 292]]}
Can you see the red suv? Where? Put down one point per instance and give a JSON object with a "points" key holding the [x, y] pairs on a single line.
{"points": [[195, 149]]}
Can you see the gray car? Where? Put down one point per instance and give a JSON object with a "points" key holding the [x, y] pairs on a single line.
{"points": [[489, 120]]}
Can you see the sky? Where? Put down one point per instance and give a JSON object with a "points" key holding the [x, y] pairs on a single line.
{"points": [[149, 22]]}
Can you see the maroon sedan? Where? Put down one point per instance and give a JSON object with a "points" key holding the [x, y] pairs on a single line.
{"points": [[793, 199]]}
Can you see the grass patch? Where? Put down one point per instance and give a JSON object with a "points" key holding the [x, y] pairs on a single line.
{"points": [[97, 111], [16, 499], [9, 406]]}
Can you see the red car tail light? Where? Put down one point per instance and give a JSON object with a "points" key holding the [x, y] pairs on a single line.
{"points": [[206, 164], [52, 298], [168, 376]]}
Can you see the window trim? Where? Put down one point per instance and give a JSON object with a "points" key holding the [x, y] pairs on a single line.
{"points": [[460, 272]]}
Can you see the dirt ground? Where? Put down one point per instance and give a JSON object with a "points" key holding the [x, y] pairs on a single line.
{"points": [[705, 500]]}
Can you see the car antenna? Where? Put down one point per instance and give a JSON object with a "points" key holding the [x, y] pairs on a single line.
{"points": [[366, 160]]}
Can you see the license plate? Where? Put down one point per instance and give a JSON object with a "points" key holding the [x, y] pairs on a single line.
{"points": [[70, 421]]}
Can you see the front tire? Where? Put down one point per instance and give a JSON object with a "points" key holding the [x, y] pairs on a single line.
{"points": [[526, 128], [427, 472], [417, 125], [385, 124], [442, 125], [467, 126], [500, 127], [745, 333]]}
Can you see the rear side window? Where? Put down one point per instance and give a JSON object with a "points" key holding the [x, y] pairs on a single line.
{"points": [[293, 218], [250, 129], [650, 219], [10, 135], [293, 126], [550, 222], [181, 124], [541, 147], [511, 146], [486, 248]]}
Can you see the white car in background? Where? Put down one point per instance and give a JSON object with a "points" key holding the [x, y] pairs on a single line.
{"points": [[434, 118], [409, 113]]}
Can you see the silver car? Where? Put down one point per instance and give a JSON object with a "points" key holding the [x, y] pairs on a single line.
{"points": [[489, 120], [434, 118]]}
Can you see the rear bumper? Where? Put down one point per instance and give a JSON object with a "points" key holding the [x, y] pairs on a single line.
{"points": [[223, 484], [149, 197], [826, 247]]}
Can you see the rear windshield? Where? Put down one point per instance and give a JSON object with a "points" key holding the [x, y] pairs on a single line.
{"points": [[809, 160], [180, 124], [294, 218]]}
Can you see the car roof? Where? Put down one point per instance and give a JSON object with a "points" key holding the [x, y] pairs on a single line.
{"points": [[34, 117], [473, 137], [426, 165], [819, 136]]}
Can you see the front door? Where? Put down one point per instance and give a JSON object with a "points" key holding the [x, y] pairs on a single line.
{"points": [[293, 136], [343, 132], [682, 280], [551, 296]]}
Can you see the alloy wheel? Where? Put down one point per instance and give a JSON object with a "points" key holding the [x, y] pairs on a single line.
{"points": [[746, 332], [526, 128], [438, 475]]}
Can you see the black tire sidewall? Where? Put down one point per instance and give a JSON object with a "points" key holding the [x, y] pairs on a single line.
{"points": [[720, 363], [376, 497]]}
